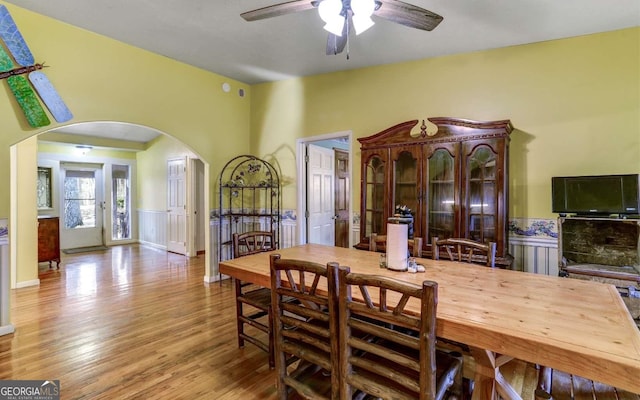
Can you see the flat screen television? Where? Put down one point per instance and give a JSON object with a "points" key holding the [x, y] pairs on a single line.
{"points": [[596, 195]]}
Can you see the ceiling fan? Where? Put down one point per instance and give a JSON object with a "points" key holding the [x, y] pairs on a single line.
{"points": [[340, 16]]}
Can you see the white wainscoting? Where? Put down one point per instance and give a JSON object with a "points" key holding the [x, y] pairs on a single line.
{"points": [[287, 237], [213, 247], [288, 232], [533, 254], [6, 327], [152, 228]]}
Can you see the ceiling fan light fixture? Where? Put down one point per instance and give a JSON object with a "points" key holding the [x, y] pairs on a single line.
{"points": [[335, 26], [361, 24], [331, 13], [362, 11], [363, 7]]}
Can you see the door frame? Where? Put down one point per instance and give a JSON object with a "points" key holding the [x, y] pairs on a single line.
{"points": [[187, 188], [319, 219], [195, 204], [195, 187], [338, 155], [301, 185], [21, 196], [101, 194]]}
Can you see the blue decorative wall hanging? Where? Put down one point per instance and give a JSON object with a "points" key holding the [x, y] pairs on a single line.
{"points": [[22, 90]]}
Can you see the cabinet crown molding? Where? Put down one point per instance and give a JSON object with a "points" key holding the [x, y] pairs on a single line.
{"points": [[449, 130]]}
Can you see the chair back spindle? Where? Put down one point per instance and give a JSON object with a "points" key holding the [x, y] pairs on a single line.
{"points": [[386, 351], [252, 242], [306, 328], [464, 250]]}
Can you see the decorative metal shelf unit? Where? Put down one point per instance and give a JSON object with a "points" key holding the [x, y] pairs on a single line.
{"points": [[250, 200]]}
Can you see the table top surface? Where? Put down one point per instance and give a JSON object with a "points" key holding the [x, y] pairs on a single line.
{"points": [[576, 326]]}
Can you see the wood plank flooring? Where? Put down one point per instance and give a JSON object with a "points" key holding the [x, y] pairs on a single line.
{"points": [[137, 322], [132, 322]]}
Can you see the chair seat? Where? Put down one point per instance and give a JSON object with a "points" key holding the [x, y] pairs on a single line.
{"points": [[448, 368], [315, 380], [258, 298]]}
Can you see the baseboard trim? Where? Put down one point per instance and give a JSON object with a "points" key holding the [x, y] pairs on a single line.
{"points": [[24, 284], [156, 245], [7, 329], [215, 278]]}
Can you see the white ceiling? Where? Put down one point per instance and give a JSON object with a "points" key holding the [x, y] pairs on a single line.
{"points": [[112, 130], [210, 34]]}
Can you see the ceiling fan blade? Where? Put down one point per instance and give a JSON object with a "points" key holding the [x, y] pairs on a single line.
{"points": [[277, 10], [408, 15], [335, 44]]}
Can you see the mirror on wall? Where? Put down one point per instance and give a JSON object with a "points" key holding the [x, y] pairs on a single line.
{"points": [[44, 189]]}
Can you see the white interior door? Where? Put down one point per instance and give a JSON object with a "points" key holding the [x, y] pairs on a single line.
{"points": [[320, 195], [177, 206], [83, 205]]}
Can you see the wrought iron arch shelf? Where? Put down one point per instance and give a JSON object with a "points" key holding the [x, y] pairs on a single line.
{"points": [[249, 199]]}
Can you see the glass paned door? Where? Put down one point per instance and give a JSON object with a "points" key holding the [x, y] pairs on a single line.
{"points": [[82, 206], [482, 195], [441, 195], [79, 199], [44, 191], [375, 200], [405, 192], [121, 202]]}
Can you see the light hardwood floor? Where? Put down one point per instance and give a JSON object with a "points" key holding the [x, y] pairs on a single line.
{"points": [[132, 322], [137, 322]]}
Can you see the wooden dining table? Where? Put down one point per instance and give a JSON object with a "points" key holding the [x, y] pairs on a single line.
{"points": [[576, 326]]}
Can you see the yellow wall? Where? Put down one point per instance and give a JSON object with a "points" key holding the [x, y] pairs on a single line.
{"points": [[25, 230], [101, 79], [152, 170], [575, 104]]}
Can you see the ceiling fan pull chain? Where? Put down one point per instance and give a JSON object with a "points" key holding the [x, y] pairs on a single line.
{"points": [[348, 37]]}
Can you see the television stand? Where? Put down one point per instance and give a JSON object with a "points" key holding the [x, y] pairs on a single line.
{"points": [[605, 250]]}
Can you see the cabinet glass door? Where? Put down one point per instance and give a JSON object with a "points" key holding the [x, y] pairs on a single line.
{"points": [[481, 197], [405, 191], [441, 195], [375, 201]]}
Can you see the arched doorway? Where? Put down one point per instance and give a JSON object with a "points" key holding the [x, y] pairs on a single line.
{"points": [[111, 147]]}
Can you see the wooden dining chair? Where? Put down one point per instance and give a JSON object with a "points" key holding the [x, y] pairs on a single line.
{"points": [[387, 352], [259, 314], [465, 250], [469, 251], [379, 243], [554, 384], [305, 329]]}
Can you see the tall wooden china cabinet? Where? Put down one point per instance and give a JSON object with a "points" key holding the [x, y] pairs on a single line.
{"points": [[455, 182]]}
